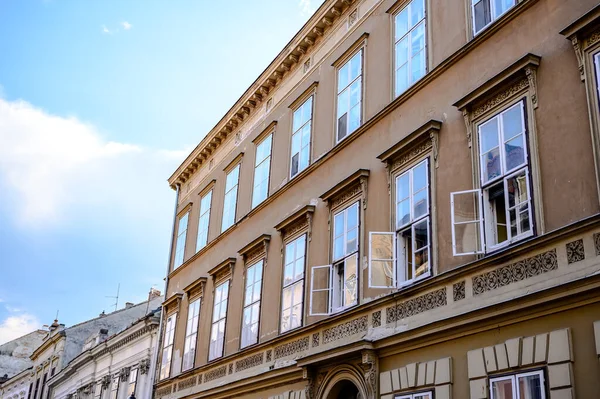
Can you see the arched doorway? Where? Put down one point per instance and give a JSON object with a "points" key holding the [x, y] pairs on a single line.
{"points": [[344, 389]]}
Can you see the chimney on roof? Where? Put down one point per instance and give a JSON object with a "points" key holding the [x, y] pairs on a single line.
{"points": [[128, 305], [154, 293], [102, 314], [54, 325]]}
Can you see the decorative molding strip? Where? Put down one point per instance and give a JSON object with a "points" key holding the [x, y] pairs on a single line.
{"points": [[187, 383], [515, 272], [297, 222], [249, 362], [597, 243], [500, 97], [459, 291], [130, 338], [575, 251], [346, 329], [351, 186], [215, 373], [269, 355], [414, 306], [291, 348], [230, 368], [316, 339], [256, 249]]}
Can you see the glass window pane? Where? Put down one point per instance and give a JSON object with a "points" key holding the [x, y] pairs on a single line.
{"points": [[530, 387], [352, 241], [417, 11], [488, 135], [304, 158], [355, 92], [352, 220], [420, 176], [354, 119], [503, 389], [482, 15], [515, 153], [512, 121], [421, 206], [355, 65], [338, 247], [491, 165], [350, 280], [338, 222], [403, 213], [342, 127], [402, 23], [343, 77], [343, 106]]}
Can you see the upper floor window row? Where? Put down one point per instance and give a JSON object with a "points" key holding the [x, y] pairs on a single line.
{"points": [[484, 12]]}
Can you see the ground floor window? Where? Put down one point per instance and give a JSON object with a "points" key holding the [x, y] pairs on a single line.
{"points": [[420, 395], [518, 386]]}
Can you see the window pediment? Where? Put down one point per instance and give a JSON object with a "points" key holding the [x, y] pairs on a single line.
{"points": [[223, 270], [172, 304], [584, 33], [297, 221], [420, 141], [266, 131], [256, 249], [196, 288], [352, 186]]}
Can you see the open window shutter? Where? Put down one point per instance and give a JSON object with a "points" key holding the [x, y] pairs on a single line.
{"points": [[467, 222], [320, 290], [382, 259]]}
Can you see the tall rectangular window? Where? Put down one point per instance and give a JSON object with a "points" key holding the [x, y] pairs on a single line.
{"points": [[500, 212], [302, 125], [252, 297], [181, 237], [486, 11], [349, 96], [518, 386], [114, 390], [410, 45], [167, 352], [293, 284], [191, 334], [133, 375], [230, 201], [217, 334], [204, 220], [262, 170]]}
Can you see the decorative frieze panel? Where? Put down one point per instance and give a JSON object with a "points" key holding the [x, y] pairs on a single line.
{"points": [[597, 243], [269, 355], [500, 98], [346, 196], [315, 340], [458, 291], [376, 319], [512, 273], [216, 373], [291, 348], [187, 383], [164, 391], [250, 361], [414, 306], [575, 251], [345, 330]]}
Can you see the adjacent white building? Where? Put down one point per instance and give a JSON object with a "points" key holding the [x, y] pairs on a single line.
{"points": [[116, 367]]}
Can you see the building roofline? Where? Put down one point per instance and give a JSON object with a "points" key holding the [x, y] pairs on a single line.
{"points": [[291, 55]]}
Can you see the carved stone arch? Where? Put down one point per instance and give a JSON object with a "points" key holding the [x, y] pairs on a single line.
{"points": [[340, 373]]}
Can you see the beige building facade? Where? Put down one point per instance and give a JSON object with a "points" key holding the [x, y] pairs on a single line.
{"points": [[405, 204]]}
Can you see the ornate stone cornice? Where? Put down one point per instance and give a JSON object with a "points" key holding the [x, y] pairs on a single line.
{"points": [[300, 47], [583, 32]]}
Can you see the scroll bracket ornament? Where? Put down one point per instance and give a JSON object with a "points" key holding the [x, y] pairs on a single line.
{"points": [[370, 367]]}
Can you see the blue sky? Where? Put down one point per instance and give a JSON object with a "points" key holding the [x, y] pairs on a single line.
{"points": [[99, 102]]}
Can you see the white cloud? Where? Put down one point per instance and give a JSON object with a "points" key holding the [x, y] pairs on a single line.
{"points": [[126, 25], [307, 7], [57, 169], [16, 326], [13, 309], [105, 30]]}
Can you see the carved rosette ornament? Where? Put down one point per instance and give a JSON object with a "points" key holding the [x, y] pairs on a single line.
{"points": [[370, 367], [144, 366], [124, 373]]}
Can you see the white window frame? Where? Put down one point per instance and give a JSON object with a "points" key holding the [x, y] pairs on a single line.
{"points": [[256, 283], [514, 379], [484, 215], [169, 338], [341, 90], [596, 58], [133, 376], [492, 12], [257, 200], [298, 131], [217, 322], [293, 283], [418, 395], [408, 35], [205, 210], [232, 192], [337, 291], [398, 265], [180, 242], [191, 334]]}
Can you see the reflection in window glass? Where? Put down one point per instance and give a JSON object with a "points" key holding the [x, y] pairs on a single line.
{"points": [[251, 312], [410, 45], [293, 284], [302, 123], [349, 113], [217, 333]]}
